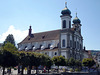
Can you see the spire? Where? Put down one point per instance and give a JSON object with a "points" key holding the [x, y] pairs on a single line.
{"points": [[66, 4], [76, 14]]}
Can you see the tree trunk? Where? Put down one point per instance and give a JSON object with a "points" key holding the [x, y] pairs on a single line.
{"points": [[58, 69], [36, 70], [10, 70], [3, 70], [18, 69], [48, 70], [29, 70], [22, 70]]}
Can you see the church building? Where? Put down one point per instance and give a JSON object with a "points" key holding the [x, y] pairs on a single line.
{"points": [[66, 41]]}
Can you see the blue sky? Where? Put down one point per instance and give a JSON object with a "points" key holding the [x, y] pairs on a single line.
{"points": [[44, 15]]}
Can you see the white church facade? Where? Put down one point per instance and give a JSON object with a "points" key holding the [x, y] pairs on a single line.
{"points": [[66, 41]]}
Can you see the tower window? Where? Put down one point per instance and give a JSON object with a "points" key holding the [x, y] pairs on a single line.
{"points": [[69, 24], [64, 24], [63, 43]]}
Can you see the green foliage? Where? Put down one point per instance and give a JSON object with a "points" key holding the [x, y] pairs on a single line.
{"points": [[72, 62], [23, 59], [77, 69], [71, 70], [9, 47], [8, 59], [88, 62], [78, 63], [15, 68], [59, 60], [49, 62], [67, 62], [10, 39]]}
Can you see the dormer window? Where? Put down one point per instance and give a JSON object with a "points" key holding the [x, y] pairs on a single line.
{"points": [[64, 24], [43, 37]]}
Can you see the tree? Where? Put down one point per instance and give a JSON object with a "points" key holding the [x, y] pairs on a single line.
{"points": [[23, 60], [72, 62], [88, 62], [49, 63], [38, 61], [59, 61], [31, 57], [8, 55], [9, 47], [10, 39], [67, 62], [78, 63], [8, 60]]}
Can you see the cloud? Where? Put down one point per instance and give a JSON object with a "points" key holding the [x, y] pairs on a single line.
{"points": [[19, 35]]}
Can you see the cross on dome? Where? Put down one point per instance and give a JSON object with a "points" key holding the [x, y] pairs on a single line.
{"points": [[66, 4]]}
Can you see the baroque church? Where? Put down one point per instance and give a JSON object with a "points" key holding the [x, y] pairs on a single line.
{"points": [[66, 41]]}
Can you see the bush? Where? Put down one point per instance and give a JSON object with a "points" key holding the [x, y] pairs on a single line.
{"points": [[15, 68], [71, 70], [77, 69]]}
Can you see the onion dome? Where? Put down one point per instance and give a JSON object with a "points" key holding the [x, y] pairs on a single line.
{"points": [[65, 11], [76, 20]]}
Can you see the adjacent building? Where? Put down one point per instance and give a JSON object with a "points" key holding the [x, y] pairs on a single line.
{"points": [[66, 41]]}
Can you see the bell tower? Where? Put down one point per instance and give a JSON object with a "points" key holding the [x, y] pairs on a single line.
{"points": [[66, 17]]}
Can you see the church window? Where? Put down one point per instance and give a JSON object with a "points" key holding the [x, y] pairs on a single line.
{"points": [[32, 46], [70, 43], [80, 46], [49, 45], [40, 46], [25, 47], [55, 53], [64, 56], [64, 24], [43, 37], [75, 44], [58, 45], [45, 53], [69, 24], [63, 43]]}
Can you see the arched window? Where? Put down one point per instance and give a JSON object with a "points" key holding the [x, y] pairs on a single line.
{"points": [[69, 24], [63, 43], [25, 47], [32, 46], [40, 46], [64, 24], [55, 53], [49, 45]]}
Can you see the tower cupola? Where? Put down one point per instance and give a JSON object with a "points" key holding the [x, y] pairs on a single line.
{"points": [[76, 20], [65, 11]]}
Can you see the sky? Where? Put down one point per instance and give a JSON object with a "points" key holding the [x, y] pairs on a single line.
{"points": [[44, 15]]}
